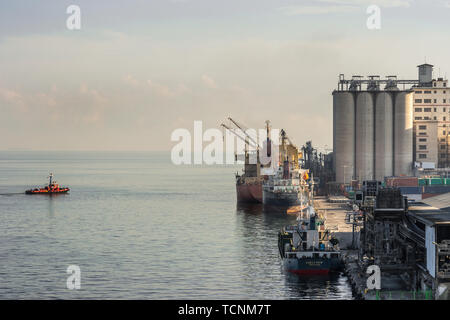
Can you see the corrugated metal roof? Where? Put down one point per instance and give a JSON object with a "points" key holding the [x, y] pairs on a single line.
{"points": [[441, 201], [435, 211]]}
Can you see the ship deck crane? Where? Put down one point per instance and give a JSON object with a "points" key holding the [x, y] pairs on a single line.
{"points": [[247, 142], [243, 129]]}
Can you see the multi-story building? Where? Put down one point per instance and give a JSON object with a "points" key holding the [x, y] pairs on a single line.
{"points": [[431, 119]]}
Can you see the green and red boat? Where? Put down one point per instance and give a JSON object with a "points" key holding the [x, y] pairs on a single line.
{"points": [[307, 248]]}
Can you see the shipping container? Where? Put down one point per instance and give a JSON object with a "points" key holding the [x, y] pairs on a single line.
{"points": [[402, 182], [351, 195], [410, 190], [436, 189], [436, 181]]}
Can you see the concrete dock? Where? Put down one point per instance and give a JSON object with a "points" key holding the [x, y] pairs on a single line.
{"points": [[394, 243], [334, 211]]}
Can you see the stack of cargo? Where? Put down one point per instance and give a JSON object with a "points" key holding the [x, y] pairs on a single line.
{"points": [[419, 188], [409, 186], [434, 186]]}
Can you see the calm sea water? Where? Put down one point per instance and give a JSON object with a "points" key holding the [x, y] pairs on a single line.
{"points": [[139, 228]]}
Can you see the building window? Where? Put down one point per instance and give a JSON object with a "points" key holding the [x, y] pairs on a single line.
{"points": [[427, 92], [422, 133], [426, 118], [434, 118], [422, 156], [435, 91], [418, 101], [422, 127], [435, 108], [420, 91], [418, 109], [418, 118], [444, 120], [435, 101], [427, 100], [443, 132], [443, 155], [427, 110], [443, 147], [423, 140], [422, 147]]}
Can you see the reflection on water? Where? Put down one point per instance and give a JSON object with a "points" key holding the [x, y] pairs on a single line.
{"points": [[260, 227]]}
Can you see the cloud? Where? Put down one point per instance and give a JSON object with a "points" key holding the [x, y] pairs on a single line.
{"points": [[341, 6], [209, 82], [130, 80], [161, 90], [312, 10], [365, 3], [13, 98]]}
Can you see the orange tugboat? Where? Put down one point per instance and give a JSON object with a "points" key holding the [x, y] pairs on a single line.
{"points": [[52, 188]]}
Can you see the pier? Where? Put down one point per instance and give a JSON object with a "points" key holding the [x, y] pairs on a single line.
{"points": [[409, 244]]}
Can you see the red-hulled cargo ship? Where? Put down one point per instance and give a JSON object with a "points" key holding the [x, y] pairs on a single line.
{"points": [[248, 189], [52, 188], [249, 183]]}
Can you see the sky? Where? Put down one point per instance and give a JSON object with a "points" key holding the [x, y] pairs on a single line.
{"points": [[137, 70]]}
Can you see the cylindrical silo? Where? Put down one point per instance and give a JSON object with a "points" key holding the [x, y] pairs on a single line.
{"points": [[364, 136], [344, 132], [403, 133], [384, 135]]}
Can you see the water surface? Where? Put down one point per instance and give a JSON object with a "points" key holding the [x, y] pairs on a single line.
{"points": [[140, 228]]}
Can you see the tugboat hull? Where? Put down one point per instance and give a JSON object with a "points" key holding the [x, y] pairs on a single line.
{"points": [[52, 188], [46, 192]]}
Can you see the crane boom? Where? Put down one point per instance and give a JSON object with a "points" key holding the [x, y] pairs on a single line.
{"points": [[237, 135], [243, 128], [285, 136]]}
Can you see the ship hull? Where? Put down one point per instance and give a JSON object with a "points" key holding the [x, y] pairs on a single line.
{"points": [[311, 266], [284, 200], [249, 193], [46, 192]]}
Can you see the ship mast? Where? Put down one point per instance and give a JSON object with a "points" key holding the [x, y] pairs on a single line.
{"points": [[50, 179]]}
